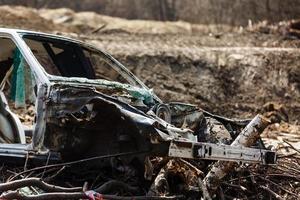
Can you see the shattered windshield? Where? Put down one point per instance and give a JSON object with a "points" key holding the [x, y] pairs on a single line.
{"points": [[66, 58]]}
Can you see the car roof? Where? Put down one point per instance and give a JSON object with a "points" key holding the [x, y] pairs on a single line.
{"points": [[22, 31]]}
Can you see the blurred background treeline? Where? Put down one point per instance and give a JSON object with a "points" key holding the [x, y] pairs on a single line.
{"points": [[230, 12]]}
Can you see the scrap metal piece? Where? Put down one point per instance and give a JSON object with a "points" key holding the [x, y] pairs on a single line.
{"points": [[210, 151], [40, 125], [18, 153], [246, 138]]}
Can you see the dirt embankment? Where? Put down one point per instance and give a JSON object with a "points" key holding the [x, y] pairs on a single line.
{"points": [[227, 70], [24, 18], [232, 81]]}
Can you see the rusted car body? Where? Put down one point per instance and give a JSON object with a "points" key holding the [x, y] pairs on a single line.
{"points": [[87, 104]]}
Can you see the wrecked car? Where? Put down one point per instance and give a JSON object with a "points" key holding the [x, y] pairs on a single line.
{"points": [[63, 101]]}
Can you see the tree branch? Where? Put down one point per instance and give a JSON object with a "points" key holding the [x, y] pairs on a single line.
{"points": [[14, 195], [13, 185]]}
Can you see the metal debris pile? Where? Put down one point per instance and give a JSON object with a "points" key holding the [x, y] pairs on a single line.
{"points": [[163, 178], [175, 179]]}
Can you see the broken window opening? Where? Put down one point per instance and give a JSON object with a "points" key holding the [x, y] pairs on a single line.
{"points": [[69, 59], [18, 97]]}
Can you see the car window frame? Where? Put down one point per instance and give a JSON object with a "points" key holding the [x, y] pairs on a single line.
{"points": [[20, 126], [123, 70], [29, 57]]}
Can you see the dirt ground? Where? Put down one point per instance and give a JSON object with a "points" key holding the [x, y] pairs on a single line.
{"points": [[231, 71]]}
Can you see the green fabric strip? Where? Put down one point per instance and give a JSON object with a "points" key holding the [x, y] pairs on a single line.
{"points": [[18, 80]]}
